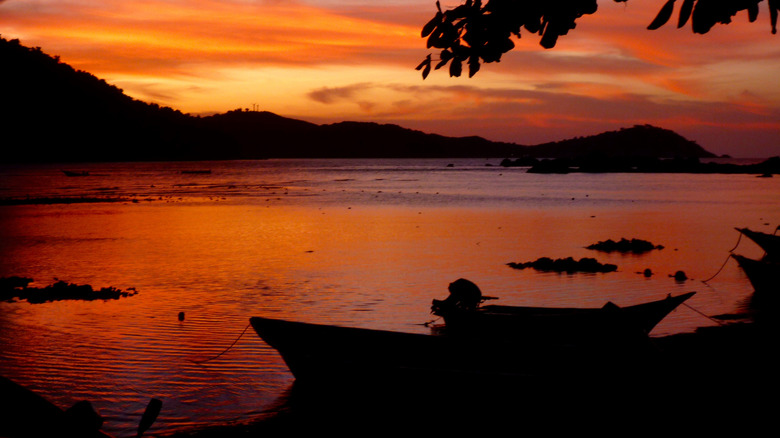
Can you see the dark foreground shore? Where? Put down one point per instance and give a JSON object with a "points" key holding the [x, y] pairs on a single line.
{"points": [[718, 378]]}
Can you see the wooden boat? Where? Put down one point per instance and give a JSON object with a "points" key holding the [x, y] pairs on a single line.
{"points": [[770, 243], [763, 274], [323, 353], [560, 324]]}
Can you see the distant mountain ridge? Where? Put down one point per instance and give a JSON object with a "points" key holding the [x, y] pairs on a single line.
{"points": [[58, 114]]}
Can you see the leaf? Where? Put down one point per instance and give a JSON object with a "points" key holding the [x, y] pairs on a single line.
{"points": [[685, 13], [456, 68], [752, 12], [473, 66], [445, 56], [426, 61], [663, 15], [425, 66], [431, 25]]}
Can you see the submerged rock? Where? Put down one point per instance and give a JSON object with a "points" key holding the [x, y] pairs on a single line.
{"points": [[14, 282], [624, 245], [13, 288], [568, 264]]}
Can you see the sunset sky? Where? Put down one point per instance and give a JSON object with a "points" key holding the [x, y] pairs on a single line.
{"points": [[331, 60]]}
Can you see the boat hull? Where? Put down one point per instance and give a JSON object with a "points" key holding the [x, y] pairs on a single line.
{"points": [[770, 243], [763, 275], [581, 325], [322, 354]]}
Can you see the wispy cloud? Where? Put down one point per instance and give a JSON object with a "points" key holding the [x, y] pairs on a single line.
{"points": [[329, 95]]}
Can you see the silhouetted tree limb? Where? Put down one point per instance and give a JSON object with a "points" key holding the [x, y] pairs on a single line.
{"points": [[477, 32]]}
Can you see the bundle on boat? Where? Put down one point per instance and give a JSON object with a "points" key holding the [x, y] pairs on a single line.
{"points": [[464, 315]]}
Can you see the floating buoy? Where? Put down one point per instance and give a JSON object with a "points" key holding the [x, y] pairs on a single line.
{"points": [[181, 316]]}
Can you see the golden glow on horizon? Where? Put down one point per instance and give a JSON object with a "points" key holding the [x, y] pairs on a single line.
{"points": [[328, 62]]}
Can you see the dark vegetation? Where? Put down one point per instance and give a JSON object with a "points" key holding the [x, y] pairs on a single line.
{"points": [[568, 265], [477, 32], [54, 113], [18, 288], [57, 114]]}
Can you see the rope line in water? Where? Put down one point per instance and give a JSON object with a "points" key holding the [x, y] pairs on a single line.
{"points": [[739, 239], [226, 350], [703, 314], [721, 268]]}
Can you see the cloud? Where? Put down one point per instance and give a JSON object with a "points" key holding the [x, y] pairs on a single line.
{"points": [[175, 34], [552, 112], [354, 60]]}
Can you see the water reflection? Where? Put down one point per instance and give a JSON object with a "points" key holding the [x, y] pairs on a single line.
{"points": [[318, 242]]}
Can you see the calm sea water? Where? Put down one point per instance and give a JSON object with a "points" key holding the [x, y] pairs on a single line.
{"points": [[365, 243]]}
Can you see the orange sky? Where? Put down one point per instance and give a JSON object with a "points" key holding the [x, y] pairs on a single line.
{"points": [[332, 60]]}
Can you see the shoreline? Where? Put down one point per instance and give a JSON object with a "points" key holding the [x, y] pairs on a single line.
{"points": [[720, 370]]}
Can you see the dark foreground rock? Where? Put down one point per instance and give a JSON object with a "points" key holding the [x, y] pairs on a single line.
{"points": [[713, 380]]}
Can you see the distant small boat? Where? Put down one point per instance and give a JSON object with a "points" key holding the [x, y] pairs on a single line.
{"points": [[196, 172], [75, 172]]}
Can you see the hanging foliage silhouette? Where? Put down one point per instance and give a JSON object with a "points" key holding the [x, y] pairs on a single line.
{"points": [[475, 32]]}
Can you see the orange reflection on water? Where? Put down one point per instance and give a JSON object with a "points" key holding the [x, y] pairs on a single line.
{"points": [[360, 263]]}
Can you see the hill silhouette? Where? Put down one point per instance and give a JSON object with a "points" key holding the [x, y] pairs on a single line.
{"points": [[637, 141], [54, 113]]}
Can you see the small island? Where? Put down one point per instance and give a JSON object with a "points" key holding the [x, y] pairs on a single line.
{"points": [[18, 288], [568, 265], [604, 164], [636, 246]]}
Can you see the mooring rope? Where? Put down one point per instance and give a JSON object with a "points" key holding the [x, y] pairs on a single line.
{"points": [[226, 350], [431, 322], [721, 268], [739, 239], [703, 314]]}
